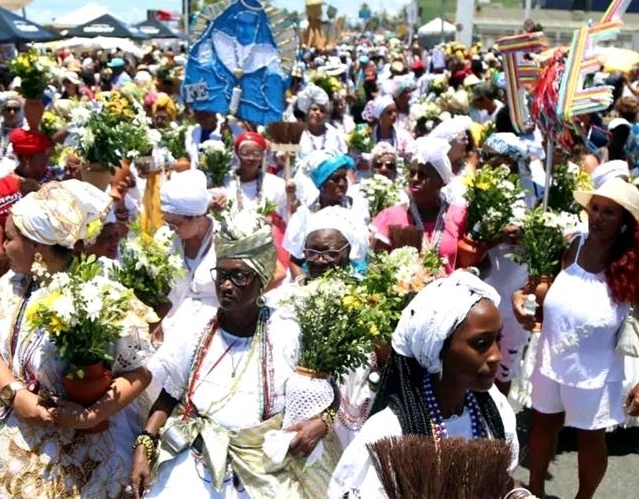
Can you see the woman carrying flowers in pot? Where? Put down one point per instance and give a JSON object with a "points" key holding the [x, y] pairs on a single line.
{"points": [[578, 376], [42, 453], [230, 380], [437, 224], [438, 380]]}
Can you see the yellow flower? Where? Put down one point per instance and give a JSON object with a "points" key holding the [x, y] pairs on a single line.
{"points": [[351, 302], [56, 326], [483, 186], [373, 330], [93, 230]]}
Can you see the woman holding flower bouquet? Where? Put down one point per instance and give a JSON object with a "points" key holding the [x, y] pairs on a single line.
{"points": [[230, 380], [578, 375], [438, 380], [429, 221], [43, 453]]}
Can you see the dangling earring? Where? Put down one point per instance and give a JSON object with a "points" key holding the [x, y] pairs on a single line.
{"points": [[624, 228], [260, 301], [39, 267]]}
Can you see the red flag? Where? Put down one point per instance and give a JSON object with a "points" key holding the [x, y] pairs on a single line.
{"points": [[165, 16]]}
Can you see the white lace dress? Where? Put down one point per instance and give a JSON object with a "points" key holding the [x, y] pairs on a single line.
{"points": [[53, 462]]}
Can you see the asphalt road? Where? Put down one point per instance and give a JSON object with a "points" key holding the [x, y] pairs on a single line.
{"points": [[621, 480]]}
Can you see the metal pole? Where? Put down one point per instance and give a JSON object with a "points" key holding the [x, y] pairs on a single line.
{"points": [[527, 9], [441, 17], [549, 149]]}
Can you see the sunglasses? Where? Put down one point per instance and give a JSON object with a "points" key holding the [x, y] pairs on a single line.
{"points": [[312, 255], [12, 109], [391, 165], [239, 278]]}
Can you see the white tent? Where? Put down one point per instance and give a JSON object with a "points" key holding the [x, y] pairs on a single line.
{"points": [[80, 16], [435, 27], [101, 42]]}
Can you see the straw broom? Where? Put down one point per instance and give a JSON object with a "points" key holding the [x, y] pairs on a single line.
{"points": [[285, 138], [416, 467]]}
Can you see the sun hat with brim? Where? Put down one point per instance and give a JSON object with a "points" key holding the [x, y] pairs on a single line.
{"points": [[616, 189]]}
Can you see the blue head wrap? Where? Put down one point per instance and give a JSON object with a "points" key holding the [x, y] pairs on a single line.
{"points": [[326, 168]]}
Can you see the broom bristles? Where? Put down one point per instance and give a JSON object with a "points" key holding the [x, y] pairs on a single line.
{"points": [[415, 467], [285, 132]]}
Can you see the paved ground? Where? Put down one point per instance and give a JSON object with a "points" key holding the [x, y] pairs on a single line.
{"points": [[621, 480]]}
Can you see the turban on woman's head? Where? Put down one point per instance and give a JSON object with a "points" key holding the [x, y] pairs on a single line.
{"points": [[320, 165], [507, 144], [61, 213], [380, 104], [311, 95], [435, 314], [249, 137], [248, 236], [164, 101], [185, 194], [435, 153], [341, 220], [452, 128], [28, 142]]}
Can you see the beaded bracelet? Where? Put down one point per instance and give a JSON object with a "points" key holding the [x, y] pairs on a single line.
{"points": [[148, 441], [328, 418]]}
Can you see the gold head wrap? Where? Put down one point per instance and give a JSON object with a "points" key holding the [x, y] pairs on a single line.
{"points": [[247, 236]]}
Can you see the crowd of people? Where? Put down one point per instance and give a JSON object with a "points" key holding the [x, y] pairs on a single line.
{"points": [[192, 399]]}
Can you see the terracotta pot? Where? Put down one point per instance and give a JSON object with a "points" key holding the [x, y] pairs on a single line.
{"points": [[538, 286], [155, 328], [310, 373], [469, 252], [33, 111], [120, 175], [88, 390], [96, 174]]}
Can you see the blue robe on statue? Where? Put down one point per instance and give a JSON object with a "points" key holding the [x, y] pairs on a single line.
{"points": [[235, 64]]}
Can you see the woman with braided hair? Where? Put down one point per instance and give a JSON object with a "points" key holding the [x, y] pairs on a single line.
{"points": [[438, 381]]}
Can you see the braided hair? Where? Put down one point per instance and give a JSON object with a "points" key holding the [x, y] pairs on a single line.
{"points": [[401, 390]]}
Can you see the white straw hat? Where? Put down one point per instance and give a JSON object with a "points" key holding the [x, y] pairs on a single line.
{"points": [[618, 190]]}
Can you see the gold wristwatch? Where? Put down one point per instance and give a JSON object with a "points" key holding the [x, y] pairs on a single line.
{"points": [[8, 392]]}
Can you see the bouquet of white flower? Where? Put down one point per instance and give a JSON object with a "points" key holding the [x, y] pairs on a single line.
{"points": [[85, 313], [380, 192], [215, 161], [149, 266]]}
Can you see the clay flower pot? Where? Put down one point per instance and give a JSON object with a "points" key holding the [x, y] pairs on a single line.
{"points": [[469, 252], [538, 286], [182, 164], [96, 174], [89, 389], [33, 112]]}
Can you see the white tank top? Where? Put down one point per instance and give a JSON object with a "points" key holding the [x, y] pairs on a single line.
{"points": [[579, 333]]}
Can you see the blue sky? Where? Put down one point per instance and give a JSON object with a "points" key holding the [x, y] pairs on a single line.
{"points": [[43, 11]]}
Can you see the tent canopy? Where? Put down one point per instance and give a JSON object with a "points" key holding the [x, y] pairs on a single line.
{"points": [[434, 27], [84, 14], [17, 29], [156, 29], [107, 26]]}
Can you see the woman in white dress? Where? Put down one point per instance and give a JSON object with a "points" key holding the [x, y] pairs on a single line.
{"points": [[230, 382], [384, 111], [438, 381], [184, 201], [578, 375], [42, 454]]}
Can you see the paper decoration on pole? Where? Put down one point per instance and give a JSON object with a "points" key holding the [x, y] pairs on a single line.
{"points": [[520, 73], [240, 61], [616, 10]]}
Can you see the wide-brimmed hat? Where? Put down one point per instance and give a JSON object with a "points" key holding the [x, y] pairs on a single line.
{"points": [[618, 190]]}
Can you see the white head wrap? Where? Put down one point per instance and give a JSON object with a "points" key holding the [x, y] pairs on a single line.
{"points": [[380, 103], [451, 129], [185, 194], [435, 313], [312, 94], [341, 219], [61, 213], [608, 170], [143, 78], [435, 153], [382, 148]]}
